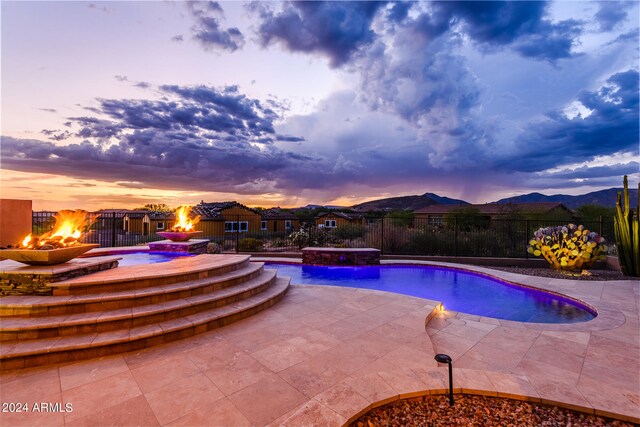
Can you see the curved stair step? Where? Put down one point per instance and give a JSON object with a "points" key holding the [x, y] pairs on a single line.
{"points": [[27, 353], [19, 328], [138, 277], [73, 304]]}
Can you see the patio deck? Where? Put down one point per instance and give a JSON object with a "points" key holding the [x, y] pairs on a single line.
{"points": [[324, 354]]}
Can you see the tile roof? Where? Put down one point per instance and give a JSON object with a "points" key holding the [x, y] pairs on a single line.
{"points": [[277, 213], [214, 210]]}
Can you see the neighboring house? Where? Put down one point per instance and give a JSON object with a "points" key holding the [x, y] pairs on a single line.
{"points": [[277, 220], [220, 218], [147, 222], [339, 219], [436, 214]]}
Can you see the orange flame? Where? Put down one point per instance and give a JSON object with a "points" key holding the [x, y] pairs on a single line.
{"points": [[66, 231], [184, 223]]}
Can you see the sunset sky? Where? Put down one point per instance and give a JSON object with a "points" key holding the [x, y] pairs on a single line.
{"points": [[118, 104]]}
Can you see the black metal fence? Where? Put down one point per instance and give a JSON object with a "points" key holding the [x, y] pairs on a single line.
{"points": [[454, 236]]}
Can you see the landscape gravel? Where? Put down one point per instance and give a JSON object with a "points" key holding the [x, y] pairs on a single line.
{"points": [[547, 272], [478, 411]]}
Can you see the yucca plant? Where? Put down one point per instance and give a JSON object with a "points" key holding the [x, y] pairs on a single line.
{"points": [[627, 233]]}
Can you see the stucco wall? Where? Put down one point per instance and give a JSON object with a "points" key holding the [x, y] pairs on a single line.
{"points": [[15, 220]]}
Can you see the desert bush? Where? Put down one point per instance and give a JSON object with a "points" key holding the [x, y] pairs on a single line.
{"points": [[568, 247], [348, 232], [213, 248], [250, 244]]}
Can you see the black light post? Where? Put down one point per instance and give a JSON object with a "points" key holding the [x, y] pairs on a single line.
{"points": [[444, 358]]}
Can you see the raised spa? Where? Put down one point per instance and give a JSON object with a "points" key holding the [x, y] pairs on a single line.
{"points": [[458, 290]]}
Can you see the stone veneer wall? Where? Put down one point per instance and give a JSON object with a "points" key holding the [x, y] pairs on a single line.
{"points": [[13, 283], [198, 246], [339, 256]]}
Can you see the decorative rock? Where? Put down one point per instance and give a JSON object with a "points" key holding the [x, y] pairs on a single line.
{"points": [[480, 411]]}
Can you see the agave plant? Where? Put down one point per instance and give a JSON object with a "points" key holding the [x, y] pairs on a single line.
{"points": [[568, 247], [627, 233]]}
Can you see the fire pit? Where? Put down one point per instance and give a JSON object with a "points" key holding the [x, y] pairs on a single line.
{"points": [[55, 247], [183, 230], [46, 257], [179, 236]]}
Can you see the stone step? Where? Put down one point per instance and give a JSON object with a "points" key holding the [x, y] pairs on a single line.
{"points": [[23, 328], [28, 353], [127, 298], [138, 276]]}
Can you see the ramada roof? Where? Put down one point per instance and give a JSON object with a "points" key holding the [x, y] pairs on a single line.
{"points": [[497, 209]]}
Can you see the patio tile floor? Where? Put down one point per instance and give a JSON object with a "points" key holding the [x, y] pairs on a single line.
{"points": [[323, 354]]}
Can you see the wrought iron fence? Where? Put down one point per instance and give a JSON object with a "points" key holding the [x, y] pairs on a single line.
{"points": [[454, 236]]}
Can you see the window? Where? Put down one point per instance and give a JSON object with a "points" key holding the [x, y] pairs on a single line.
{"points": [[125, 223], [287, 224], [234, 226], [263, 225], [435, 220], [330, 223], [160, 226]]}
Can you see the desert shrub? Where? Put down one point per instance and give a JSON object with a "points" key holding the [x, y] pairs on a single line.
{"points": [[299, 238], [213, 248], [311, 237], [568, 247], [250, 244], [348, 232], [394, 240]]}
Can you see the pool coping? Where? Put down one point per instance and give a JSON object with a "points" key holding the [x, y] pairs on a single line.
{"points": [[608, 316]]}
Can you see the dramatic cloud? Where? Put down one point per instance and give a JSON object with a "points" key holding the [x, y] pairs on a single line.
{"points": [[612, 13], [191, 138], [334, 29], [208, 30], [609, 125], [340, 29], [519, 24]]}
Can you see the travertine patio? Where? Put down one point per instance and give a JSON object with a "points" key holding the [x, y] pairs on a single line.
{"points": [[324, 354]]}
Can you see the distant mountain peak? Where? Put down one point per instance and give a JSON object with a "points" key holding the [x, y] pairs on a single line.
{"points": [[407, 203], [444, 200], [605, 197]]}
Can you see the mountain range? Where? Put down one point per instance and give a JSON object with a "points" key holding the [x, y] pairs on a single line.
{"points": [[603, 198], [409, 203]]}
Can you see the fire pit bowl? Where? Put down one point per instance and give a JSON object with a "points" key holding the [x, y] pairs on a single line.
{"points": [[46, 257], [179, 236]]}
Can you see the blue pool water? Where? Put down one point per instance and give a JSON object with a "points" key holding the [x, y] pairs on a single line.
{"points": [[458, 290], [136, 258]]}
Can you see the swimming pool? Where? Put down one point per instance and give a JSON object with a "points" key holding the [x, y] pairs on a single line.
{"points": [[458, 290]]}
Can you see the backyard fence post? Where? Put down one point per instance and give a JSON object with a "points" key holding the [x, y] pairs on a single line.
{"points": [[526, 236], [237, 232], [601, 225], [113, 229], [455, 236], [382, 236]]}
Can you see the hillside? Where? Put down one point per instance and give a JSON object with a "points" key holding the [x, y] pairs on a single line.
{"points": [[410, 203], [603, 197]]}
